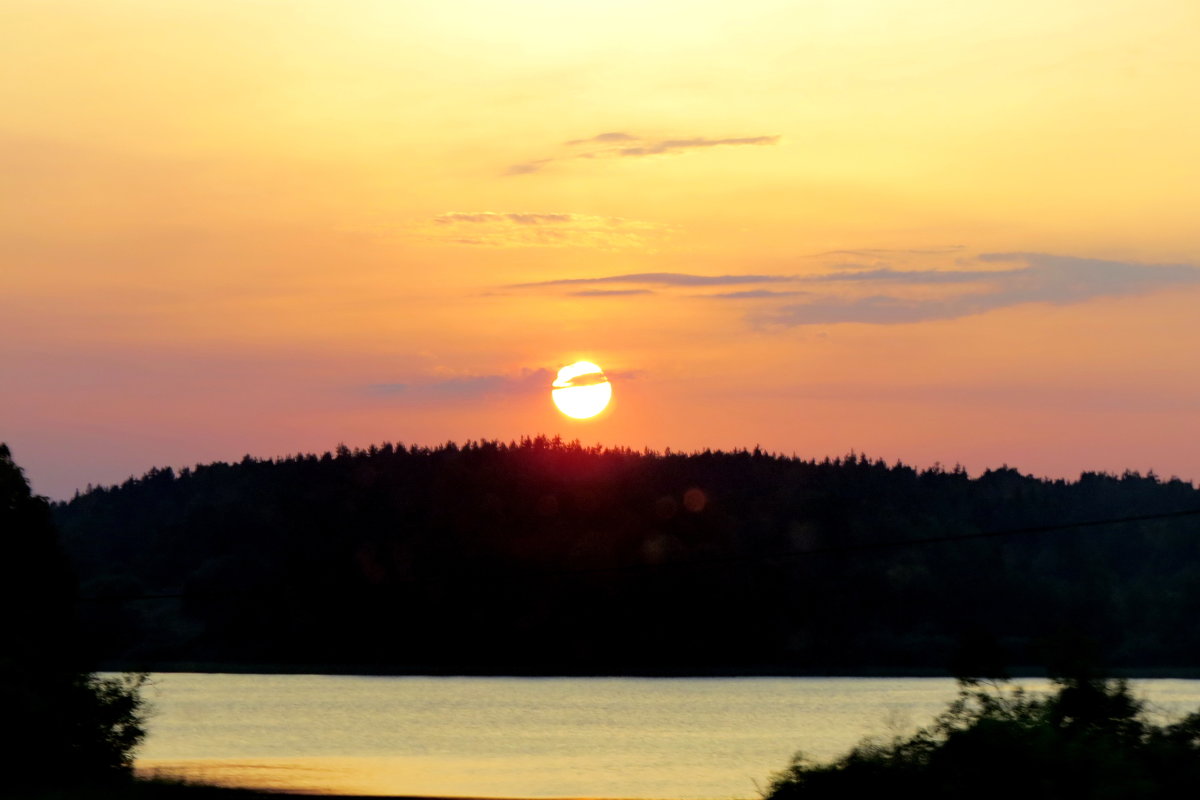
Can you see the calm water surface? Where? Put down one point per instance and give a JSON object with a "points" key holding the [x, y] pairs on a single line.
{"points": [[687, 739]]}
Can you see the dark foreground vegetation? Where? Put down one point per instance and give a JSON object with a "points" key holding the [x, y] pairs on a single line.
{"points": [[547, 557], [63, 726], [1090, 740]]}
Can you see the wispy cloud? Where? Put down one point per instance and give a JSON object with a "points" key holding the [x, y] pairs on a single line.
{"points": [[518, 217], [893, 296], [527, 381], [679, 145], [752, 294], [618, 144], [603, 138], [884, 252], [1044, 278], [527, 167], [659, 279], [916, 276], [608, 292], [542, 229]]}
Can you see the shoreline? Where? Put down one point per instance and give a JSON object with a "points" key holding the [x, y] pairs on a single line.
{"points": [[165, 783], [234, 792]]}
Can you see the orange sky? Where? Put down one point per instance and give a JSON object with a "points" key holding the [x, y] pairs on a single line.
{"points": [[926, 230]]}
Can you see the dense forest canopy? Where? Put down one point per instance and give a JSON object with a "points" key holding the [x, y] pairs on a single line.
{"points": [[543, 556]]}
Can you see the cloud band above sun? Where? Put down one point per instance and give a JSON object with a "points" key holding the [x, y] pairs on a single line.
{"points": [[886, 295]]}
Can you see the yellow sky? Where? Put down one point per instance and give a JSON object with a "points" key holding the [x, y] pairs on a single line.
{"points": [[265, 227]]}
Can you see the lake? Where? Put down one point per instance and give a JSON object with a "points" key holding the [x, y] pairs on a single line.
{"points": [[668, 738]]}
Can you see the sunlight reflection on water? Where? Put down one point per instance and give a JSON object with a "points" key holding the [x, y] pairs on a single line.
{"points": [[535, 738]]}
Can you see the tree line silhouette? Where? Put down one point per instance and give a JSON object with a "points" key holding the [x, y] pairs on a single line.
{"points": [[545, 556]]}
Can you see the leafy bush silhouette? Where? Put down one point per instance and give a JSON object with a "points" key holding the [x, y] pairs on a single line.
{"points": [[66, 725], [1089, 740]]}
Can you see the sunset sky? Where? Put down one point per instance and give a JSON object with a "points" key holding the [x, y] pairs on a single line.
{"points": [[934, 231]]}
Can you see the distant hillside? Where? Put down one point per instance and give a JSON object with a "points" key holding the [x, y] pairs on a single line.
{"points": [[543, 557]]}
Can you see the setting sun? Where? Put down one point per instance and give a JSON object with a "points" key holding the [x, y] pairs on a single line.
{"points": [[581, 390]]}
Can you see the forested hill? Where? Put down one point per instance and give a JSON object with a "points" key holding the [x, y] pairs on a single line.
{"points": [[547, 557]]}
